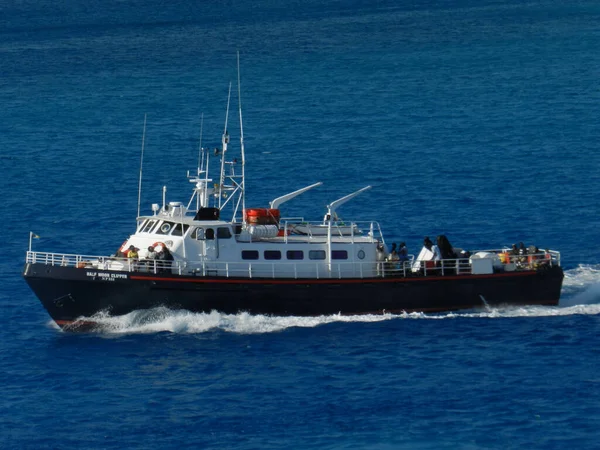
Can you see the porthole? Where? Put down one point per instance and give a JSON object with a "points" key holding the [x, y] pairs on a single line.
{"points": [[361, 254], [165, 227]]}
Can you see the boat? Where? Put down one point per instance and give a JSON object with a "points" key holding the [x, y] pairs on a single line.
{"points": [[192, 257]]}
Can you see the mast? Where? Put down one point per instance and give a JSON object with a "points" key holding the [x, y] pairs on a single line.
{"points": [[243, 183], [224, 142], [200, 150], [141, 165], [200, 201]]}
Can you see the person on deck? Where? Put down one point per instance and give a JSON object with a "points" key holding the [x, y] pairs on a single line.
{"points": [[151, 253], [132, 253], [151, 256], [164, 257], [448, 255], [393, 256], [428, 262], [402, 253], [437, 254]]}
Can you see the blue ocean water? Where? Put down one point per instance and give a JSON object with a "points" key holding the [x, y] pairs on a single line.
{"points": [[478, 120]]}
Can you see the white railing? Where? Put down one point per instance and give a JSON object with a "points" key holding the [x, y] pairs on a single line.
{"points": [[297, 269], [318, 231]]}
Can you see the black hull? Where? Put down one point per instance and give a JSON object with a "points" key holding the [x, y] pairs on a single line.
{"points": [[70, 293]]}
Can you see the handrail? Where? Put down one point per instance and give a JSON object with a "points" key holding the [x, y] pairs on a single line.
{"points": [[297, 269], [316, 230]]}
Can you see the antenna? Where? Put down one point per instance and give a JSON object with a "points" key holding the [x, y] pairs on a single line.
{"points": [[243, 184], [141, 165], [224, 141], [200, 151]]}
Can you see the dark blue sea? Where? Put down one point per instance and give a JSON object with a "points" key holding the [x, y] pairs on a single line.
{"points": [[475, 119]]}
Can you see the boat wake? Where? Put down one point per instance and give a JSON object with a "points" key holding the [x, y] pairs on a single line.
{"points": [[581, 286], [581, 296]]}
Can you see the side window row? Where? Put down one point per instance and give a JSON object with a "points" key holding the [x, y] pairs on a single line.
{"points": [[271, 255], [202, 234]]}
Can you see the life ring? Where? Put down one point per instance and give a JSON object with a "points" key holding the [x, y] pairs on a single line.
{"points": [[159, 244]]}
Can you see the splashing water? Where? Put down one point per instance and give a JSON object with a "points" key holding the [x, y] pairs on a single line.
{"points": [[581, 295], [581, 286]]}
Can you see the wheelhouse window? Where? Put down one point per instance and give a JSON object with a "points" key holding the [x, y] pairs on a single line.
{"points": [[209, 234], [164, 228], [295, 254], [148, 226], [179, 229], [250, 254], [339, 254], [316, 254], [223, 233], [272, 254]]}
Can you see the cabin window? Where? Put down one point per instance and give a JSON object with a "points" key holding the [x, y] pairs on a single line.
{"points": [[249, 254], [210, 233], [223, 233], [272, 254], [164, 228], [198, 234], [179, 229], [149, 225], [316, 254], [295, 254], [339, 254], [141, 225]]}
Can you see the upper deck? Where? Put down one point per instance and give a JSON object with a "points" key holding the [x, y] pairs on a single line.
{"points": [[481, 263]]}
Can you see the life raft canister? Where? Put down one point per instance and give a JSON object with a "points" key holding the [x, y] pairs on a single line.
{"points": [[262, 216]]}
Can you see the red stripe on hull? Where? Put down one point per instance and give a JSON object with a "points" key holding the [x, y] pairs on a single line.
{"points": [[414, 279]]}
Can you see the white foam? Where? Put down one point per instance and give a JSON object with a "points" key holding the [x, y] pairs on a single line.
{"points": [[582, 275], [581, 295], [179, 321], [581, 286], [182, 322]]}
